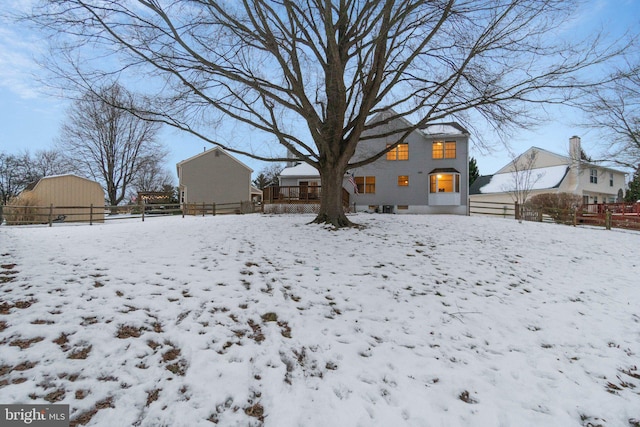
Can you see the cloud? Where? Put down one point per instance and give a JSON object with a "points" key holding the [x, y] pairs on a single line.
{"points": [[18, 68]]}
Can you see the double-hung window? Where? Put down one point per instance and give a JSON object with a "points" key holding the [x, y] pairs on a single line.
{"points": [[443, 150], [366, 184], [400, 152]]}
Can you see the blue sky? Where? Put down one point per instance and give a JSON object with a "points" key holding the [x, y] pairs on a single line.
{"points": [[30, 116]]}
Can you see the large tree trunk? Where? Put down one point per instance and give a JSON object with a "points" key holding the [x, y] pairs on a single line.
{"points": [[331, 208]]}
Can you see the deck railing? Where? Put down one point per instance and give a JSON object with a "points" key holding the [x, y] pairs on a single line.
{"points": [[292, 194]]}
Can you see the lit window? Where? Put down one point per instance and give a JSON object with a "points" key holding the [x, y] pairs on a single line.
{"points": [[593, 177], [401, 152], [403, 181], [438, 150], [444, 183], [366, 184], [444, 150]]}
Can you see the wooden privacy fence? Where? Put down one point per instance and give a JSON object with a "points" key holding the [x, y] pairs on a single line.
{"points": [[23, 215]]}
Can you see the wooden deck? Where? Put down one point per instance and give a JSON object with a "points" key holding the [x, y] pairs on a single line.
{"points": [[297, 195]]}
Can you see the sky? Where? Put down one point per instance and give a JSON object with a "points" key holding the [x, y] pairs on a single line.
{"points": [[30, 116], [455, 323]]}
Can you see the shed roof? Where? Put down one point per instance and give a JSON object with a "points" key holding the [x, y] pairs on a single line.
{"points": [[34, 184]]}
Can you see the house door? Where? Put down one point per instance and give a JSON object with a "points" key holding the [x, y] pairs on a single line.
{"points": [[309, 190]]}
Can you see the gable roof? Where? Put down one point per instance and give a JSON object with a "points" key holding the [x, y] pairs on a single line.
{"points": [[429, 130], [300, 169], [449, 128], [545, 178], [207, 152]]}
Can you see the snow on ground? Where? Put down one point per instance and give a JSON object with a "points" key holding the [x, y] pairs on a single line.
{"points": [[266, 320]]}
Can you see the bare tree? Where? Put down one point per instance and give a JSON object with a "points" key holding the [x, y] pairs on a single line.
{"points": [[103, 140], [49, 162], [13, 176], [152, 176], [614, 109], [19, 170], [268, 176], [310, 75], [524, 177]]}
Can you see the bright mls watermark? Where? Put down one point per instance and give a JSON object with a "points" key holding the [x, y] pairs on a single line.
{"points": [[34, 415]]}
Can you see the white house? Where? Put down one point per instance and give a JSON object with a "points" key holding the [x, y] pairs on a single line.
{"points": [[553, 173]]}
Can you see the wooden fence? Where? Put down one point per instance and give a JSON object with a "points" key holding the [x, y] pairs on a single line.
{"points": [[50, 215], [608, 215], [505, 210]]}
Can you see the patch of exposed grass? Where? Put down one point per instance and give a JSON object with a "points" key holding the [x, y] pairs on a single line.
{"points": [[25, 366], [55, 396], [85, 417], [80, 353], [171, 354], [126, 331], [23, 344], [153, 395]]}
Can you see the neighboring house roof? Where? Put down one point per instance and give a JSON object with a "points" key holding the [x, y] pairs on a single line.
{"points": [[301, 169], [255, 190], [480, 182], [207, 152], [544, 178]]}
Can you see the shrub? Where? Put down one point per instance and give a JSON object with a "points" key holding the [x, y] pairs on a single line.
{"points": [[559, 206], [22, 210]]}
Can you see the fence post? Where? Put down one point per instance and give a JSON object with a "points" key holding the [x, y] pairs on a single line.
{"points": [[143, 209], [1, 213], [91, 214], [575, 217], [183, 209], [50, 214], [213, 208], [607, 220]]}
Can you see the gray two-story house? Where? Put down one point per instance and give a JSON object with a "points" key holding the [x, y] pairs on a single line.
{"points": [[427, 173]]}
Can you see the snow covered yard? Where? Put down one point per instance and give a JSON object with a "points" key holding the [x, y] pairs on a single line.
{"points": [[258, 320]]}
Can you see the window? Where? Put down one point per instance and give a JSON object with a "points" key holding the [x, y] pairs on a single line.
{"points": [[403, 207], [366, 184], [403, 181], [593, 177], [401, 152], [610, 179], [444, 183], [444, 150], [449, 150]]}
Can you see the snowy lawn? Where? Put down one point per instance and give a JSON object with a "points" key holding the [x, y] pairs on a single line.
{"points": [[265, 320]]}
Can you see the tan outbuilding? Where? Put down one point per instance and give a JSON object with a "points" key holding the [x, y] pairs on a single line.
{"points": [[214, 176], [72, 198]]}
